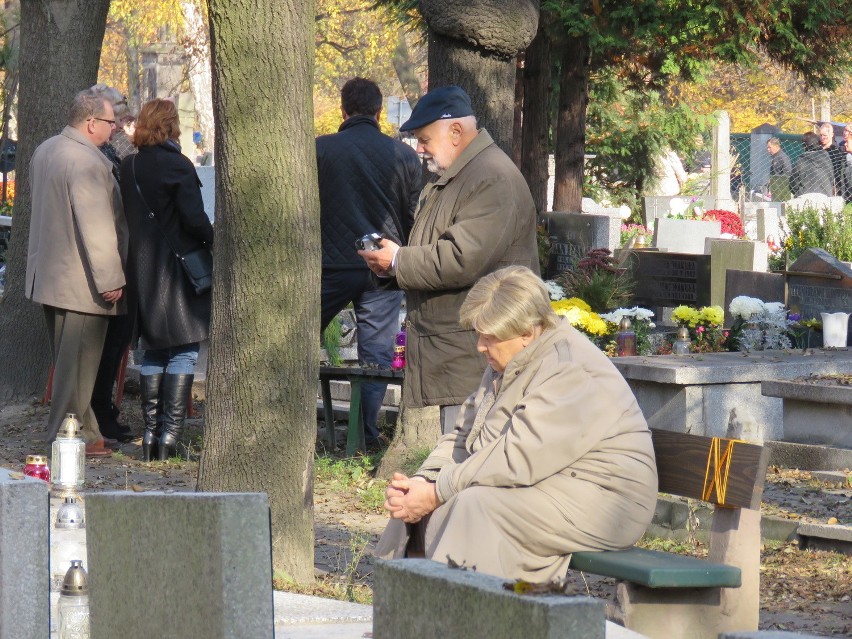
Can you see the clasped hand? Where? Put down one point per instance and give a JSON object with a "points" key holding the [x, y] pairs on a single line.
{"points": [[410, 498]]}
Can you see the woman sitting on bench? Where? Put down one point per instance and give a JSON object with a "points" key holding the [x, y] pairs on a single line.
{"points": [[549, 456]]}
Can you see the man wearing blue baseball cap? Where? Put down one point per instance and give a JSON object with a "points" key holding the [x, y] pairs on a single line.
{"points": [[475, 216]]}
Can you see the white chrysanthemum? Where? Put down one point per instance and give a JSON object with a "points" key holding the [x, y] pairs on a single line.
{"points": [[555, 291], [642, 313], [774, 308], [745, 307], [615, 316]]}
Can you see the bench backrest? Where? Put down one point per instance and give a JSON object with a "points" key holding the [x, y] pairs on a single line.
{"points": [[717, 470]]}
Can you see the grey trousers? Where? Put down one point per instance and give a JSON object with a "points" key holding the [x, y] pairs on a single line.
{"points": [[76, 341]]}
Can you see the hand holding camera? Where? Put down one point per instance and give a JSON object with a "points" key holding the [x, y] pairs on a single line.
{"points": [[370, 242]]}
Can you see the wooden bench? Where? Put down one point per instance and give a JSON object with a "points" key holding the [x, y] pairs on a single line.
{"points": [[666, 595], [355, 375]]}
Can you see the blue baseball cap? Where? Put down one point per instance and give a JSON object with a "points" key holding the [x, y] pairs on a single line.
{"points": [[443, 103]]}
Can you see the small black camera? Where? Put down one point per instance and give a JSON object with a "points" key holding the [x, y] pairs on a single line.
{"points": [[370, 242]]}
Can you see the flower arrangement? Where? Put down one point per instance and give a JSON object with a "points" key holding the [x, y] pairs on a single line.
{"points": [[598, 280], [581, 317], [760, 325], [629, 231], [705, 327], [732, 225], [640, 318]]}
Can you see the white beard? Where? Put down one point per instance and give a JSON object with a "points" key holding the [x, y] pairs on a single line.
{"points": [[433, 166]]}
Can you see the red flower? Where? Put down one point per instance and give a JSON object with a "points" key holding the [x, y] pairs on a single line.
{"points": [[731, 222]]}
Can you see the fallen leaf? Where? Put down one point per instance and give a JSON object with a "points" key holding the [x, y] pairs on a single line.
{"points": [[136, 488], [831, 521]]}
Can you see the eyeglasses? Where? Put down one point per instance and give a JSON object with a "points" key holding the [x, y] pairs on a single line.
{"points": [[110, 122]]}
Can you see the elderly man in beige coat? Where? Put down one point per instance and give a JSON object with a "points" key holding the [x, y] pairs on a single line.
{"points": [[77, 245]]}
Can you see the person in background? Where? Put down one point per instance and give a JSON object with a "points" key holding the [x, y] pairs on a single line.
{"points": [[171, 318], [75, 257], [475, 216], [780, 170], [826, 140], [120, 326], [846, 148], [551, 453], [812, 172], [368, 183], [669, 175]]}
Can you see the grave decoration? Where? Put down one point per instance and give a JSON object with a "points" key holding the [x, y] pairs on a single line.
{"points": [[760, 325], [705, 327]]}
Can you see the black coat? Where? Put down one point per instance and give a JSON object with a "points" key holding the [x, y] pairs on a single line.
{"points": [[169, 311], [368, 182], [812, 173]]}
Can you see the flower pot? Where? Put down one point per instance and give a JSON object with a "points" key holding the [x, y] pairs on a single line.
{"points": [[834, 329]]}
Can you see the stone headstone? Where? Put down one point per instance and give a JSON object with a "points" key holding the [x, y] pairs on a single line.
{"points": [[743, 255], [179, 565], [670, 279], [24, 552], [720, 181], [768, 287], [207, 176], [420, 597], [815, 201], [819, 283], [661, 206], [768, 221], [684, 236], [572, 235]]}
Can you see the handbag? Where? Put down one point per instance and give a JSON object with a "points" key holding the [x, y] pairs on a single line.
{"points": [[197, 263]]}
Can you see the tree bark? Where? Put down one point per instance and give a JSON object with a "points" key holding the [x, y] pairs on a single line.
{"points": [[518, 110], [264, 364], [406, 71], [571, 125], [417, 429], [474, 45], [535, 138], [60, 49]]}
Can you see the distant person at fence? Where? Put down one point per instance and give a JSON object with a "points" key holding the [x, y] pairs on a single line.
{"points": [[780, 170], [368, 183], [826, 140], [668, 175], [75, 256], [812, 172], [476, 215], [551, 454], [846, 147]]}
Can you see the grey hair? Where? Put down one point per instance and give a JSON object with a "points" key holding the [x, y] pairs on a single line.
{"points": [[115, 98], [87, 104], [508, 303], [774, 142]]}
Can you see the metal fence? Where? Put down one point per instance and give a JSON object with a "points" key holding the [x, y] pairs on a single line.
{"points": [[751, 161]]}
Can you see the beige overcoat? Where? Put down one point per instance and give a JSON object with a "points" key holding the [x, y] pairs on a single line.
{"points": [[562, 461], [78, 235]]}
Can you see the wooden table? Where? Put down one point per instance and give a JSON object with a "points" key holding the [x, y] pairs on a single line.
{"points": [[355, 375]]}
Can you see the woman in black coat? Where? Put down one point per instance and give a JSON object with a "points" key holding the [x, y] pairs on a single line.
{"points": [[165, 215]]}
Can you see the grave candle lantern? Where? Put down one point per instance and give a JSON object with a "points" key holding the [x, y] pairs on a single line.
{"points": [[625, 339], [68, 459]]}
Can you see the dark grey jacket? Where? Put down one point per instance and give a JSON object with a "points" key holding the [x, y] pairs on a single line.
{"points": [[367, 182], [169, 311], [812, 173]]}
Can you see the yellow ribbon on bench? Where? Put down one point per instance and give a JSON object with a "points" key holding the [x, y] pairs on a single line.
{"points": [[721, 465]]}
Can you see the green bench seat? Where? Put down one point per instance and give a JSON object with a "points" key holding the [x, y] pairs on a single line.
{"points": [[656, 569]]}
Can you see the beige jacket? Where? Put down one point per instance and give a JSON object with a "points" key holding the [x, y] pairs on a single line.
{"points": [[565, 421], [78, 235]]}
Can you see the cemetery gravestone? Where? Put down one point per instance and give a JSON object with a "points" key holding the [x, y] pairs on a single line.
{"points": [[24, 552], [732, 254], [815, 201], [572, 235], [768, 218], [670, 279], [174, 565], [207, 176], [818, 283], [684, 236], [768, 287]]}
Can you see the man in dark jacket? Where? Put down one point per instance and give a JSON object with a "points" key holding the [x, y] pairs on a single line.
{"points": [[475, 217], [813, 172], [368, 182], [780, 169], [826, 140]]}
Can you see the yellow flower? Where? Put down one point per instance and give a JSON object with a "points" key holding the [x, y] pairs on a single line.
{"points": [[712, 315], [685, 315]]}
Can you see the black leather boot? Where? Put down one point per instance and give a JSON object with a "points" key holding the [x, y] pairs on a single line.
{"points": [[149, 389], [175, 393]]}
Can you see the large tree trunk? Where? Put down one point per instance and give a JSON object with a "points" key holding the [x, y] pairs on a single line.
{"points": [[518, 120], [473, 44], [60, 50], [406, 71], [535, 138], [264, 353], [417, 430], [571, 126]]}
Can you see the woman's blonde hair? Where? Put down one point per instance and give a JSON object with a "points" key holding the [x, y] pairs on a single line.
{"points": [[508, 303], [157, 122]]}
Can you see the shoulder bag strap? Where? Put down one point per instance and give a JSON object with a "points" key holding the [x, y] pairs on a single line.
{"points": [[150, 210]]}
